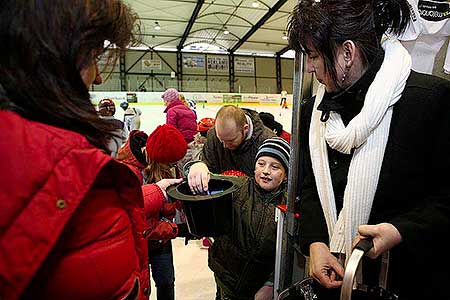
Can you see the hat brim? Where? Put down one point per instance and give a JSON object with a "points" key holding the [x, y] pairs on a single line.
{"points": [[219, 186]]}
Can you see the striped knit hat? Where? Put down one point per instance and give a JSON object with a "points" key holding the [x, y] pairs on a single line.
{"points": [[171, 94], [277, 148]]}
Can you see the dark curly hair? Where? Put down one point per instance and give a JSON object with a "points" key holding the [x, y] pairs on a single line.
{"points": [[45, 45], [325, 24]]}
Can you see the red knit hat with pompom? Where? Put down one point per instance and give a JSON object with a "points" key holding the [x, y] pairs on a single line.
{"points": [[166, 145]]}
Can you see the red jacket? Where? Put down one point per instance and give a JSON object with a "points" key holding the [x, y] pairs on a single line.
{"points": [[183, 118], [159, 230], [154, 199], [71, 217]]}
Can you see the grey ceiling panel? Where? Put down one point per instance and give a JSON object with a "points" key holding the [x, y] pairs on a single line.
{"points": [[184, 23]]}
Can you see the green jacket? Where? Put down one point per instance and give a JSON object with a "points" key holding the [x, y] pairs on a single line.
{"points": [[244, 260], [219, 159]]}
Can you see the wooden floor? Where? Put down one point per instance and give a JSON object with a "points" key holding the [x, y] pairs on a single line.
{"points": [[193, 279]]}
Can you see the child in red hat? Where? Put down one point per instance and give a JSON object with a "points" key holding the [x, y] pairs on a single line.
{"points": [[153, 156], [200, 138], [165, 146]]}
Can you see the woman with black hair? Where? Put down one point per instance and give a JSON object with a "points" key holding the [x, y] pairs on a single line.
{"points": [[377, 136]]}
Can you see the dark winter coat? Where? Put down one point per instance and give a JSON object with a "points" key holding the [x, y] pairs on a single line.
{"points": [[413, 190], [183, 118], [219, 159], [243, 261]]}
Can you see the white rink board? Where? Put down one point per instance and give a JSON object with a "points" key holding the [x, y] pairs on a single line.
{"points": [[153, 113]]}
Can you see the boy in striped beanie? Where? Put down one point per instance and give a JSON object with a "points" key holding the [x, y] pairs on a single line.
{"points": [[277, 148]]}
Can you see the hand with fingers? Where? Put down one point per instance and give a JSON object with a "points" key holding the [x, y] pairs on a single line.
{"points": [[198, 178], [264, 293], [165, 183], [324, 266], [385, 236]]}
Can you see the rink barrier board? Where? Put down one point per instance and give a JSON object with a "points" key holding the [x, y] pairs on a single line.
{"points": [[154, 98]]}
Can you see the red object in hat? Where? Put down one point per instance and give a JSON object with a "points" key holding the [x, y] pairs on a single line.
{"points": [[205, 124], [166, 145], [233, 173]]}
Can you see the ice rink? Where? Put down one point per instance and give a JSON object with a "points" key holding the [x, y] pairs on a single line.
{"points": [[153, 114]]}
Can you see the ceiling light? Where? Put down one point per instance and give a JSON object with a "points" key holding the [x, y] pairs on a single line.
{"points": [[225, 31], [284, 37], [157, 27], [255, 4]]}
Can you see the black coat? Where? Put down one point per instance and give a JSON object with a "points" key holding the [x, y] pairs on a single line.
{"points": [[413, 190]]}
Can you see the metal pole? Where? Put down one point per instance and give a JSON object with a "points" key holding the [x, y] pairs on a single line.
{"points": [[122, 76], [278, 72], [231, 72], [290, 224], [179, 70], [279, 219]]}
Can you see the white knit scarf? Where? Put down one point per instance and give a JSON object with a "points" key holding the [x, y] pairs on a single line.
{"points": [[367, 133]]}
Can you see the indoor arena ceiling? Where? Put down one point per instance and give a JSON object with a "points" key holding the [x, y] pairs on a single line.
{"points": [[229, 26]]}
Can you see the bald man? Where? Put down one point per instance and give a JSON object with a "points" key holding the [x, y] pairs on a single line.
{"points": [[230, 145]]}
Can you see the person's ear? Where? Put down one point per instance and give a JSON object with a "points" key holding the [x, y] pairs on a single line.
{"points": [[245, 129], [349, 49]]}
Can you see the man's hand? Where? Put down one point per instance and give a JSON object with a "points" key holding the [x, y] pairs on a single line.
{"points": [[198, 178], [324, 266]]}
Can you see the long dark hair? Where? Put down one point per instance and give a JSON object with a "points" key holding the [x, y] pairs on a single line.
{"points": [[44, 46], [324, 25]]}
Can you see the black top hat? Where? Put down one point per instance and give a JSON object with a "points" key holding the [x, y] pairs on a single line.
{"points": [[209, 214]]}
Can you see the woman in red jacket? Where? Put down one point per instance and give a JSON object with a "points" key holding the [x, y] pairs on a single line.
{"points": [[72, 219], [179, 115]]}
